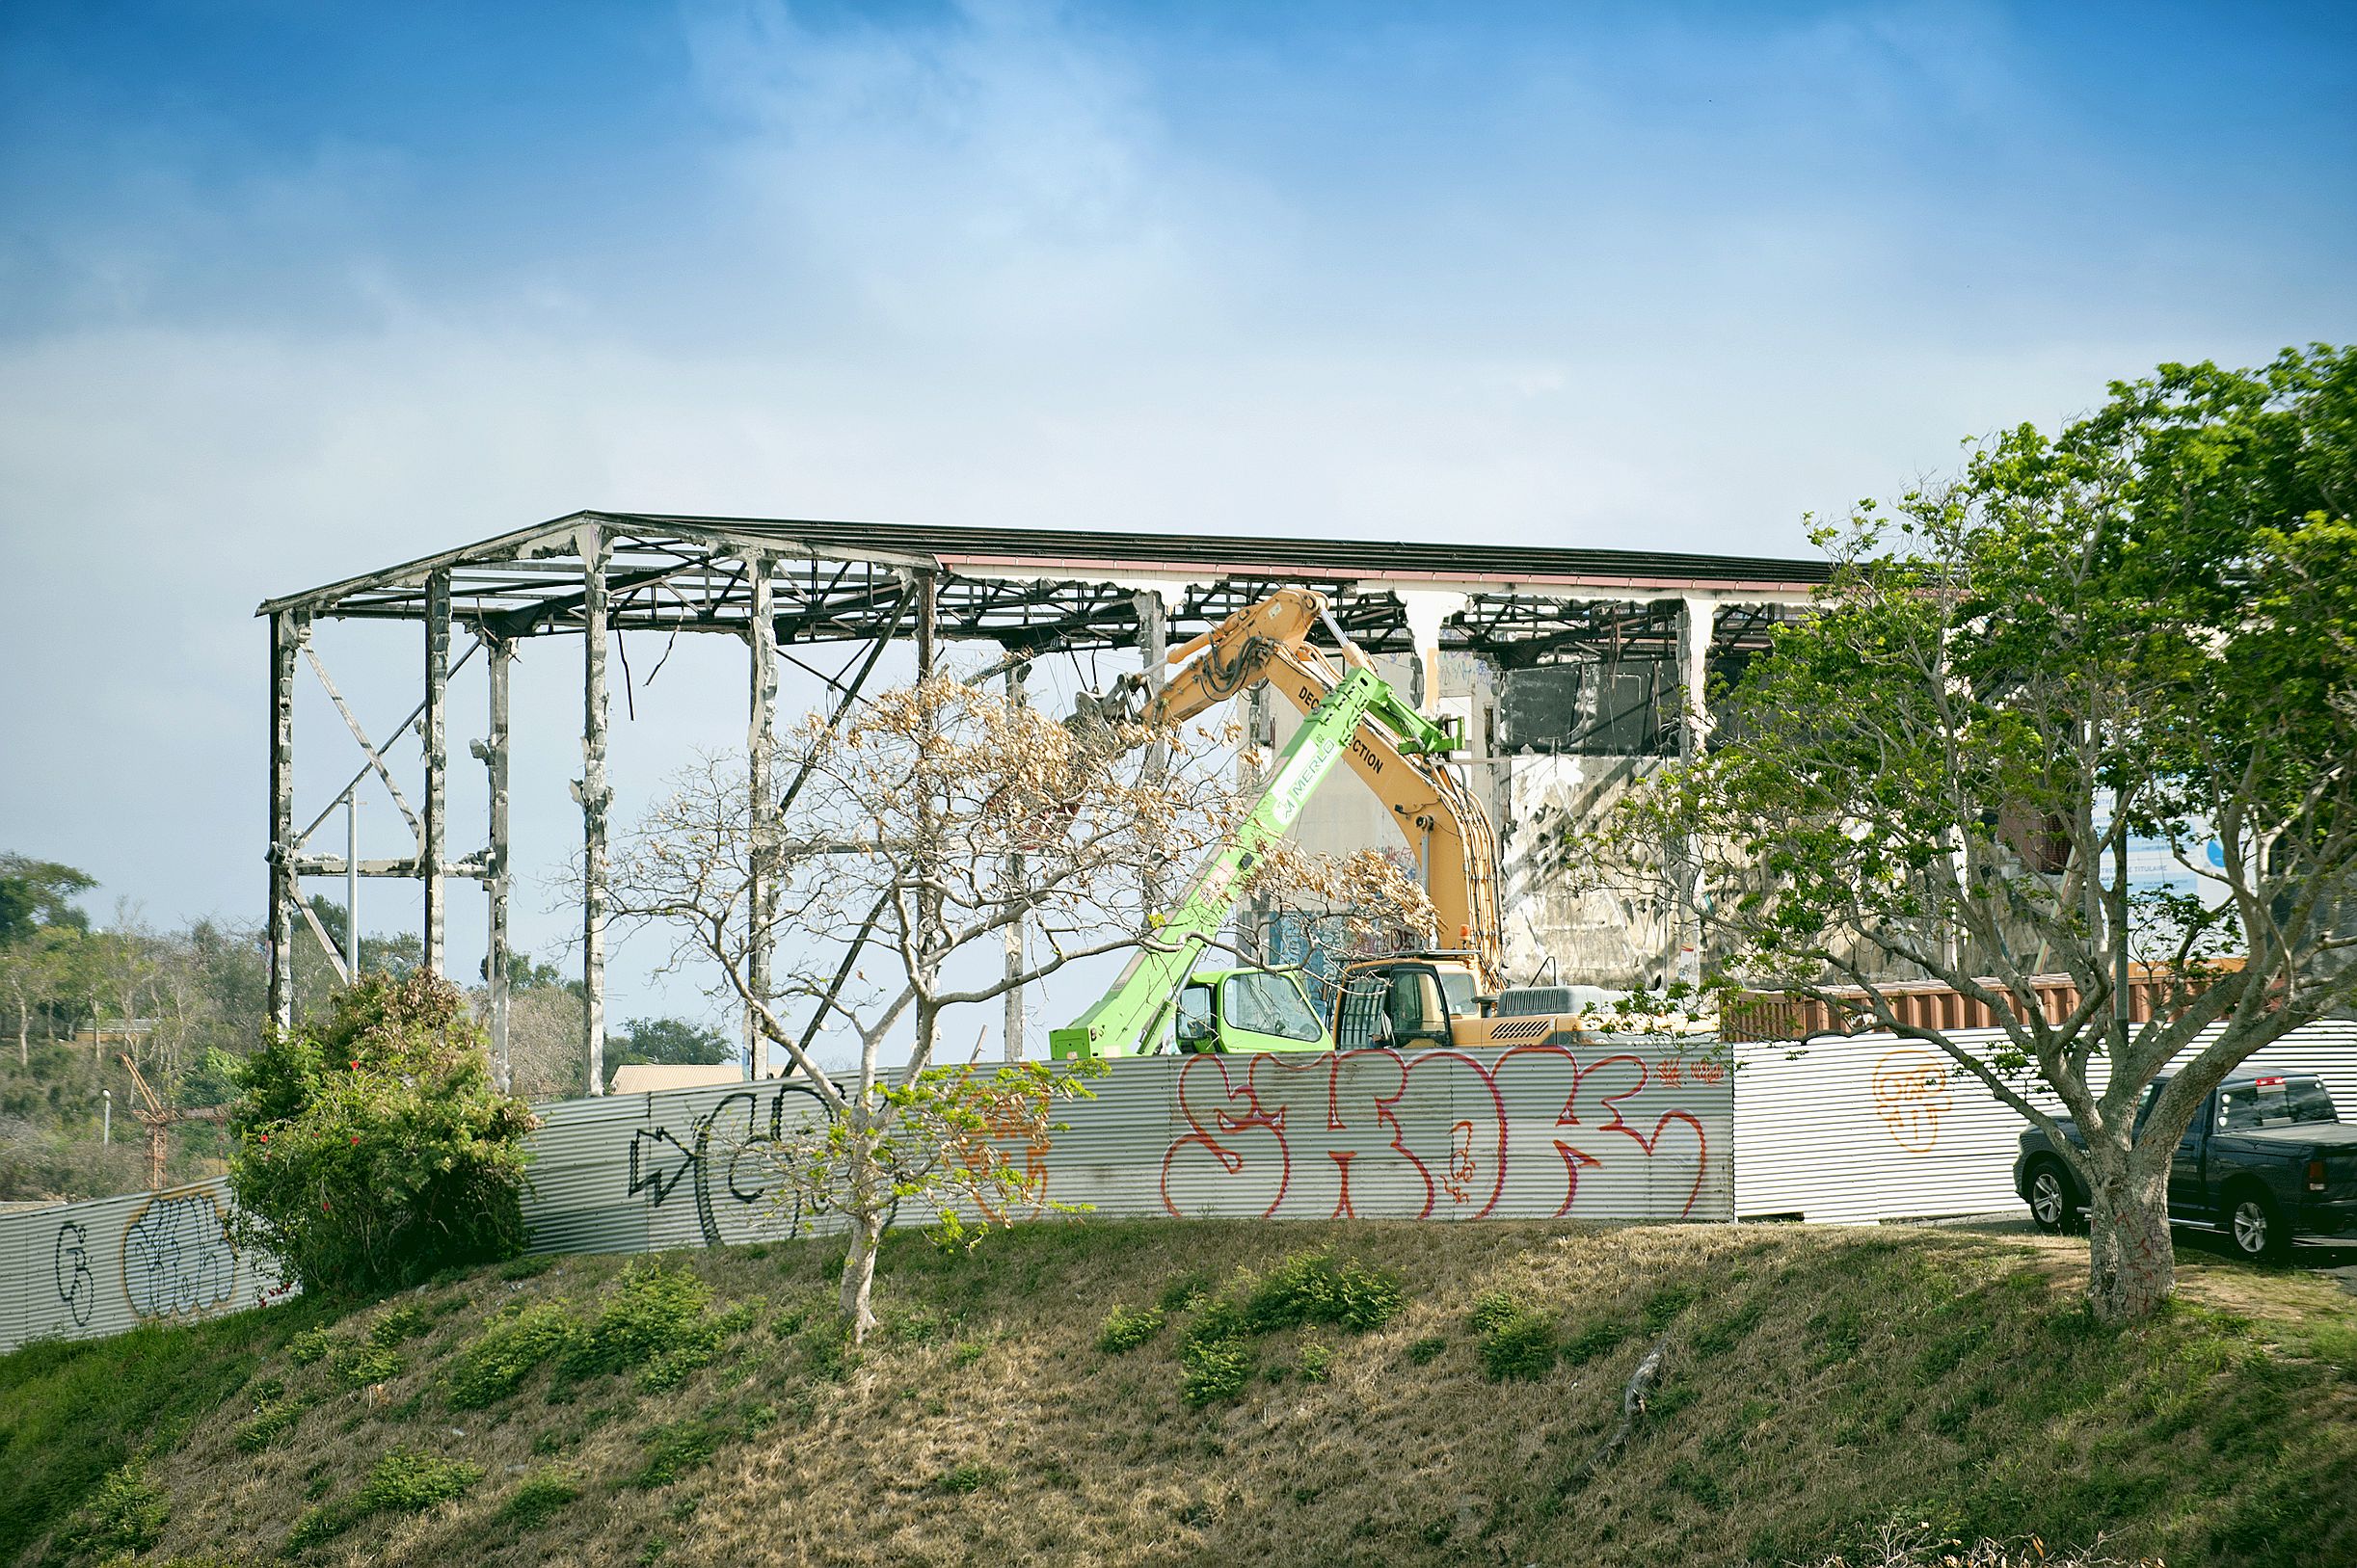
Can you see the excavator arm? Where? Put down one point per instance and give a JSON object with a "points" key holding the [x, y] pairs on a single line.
{"points": [[1398, 755], [1130, 1015]]}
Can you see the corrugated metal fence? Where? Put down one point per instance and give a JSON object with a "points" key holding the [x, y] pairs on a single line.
{"points": [[1873, 1128], [88, 1270], [1613, 1133], [1863, 1129]]}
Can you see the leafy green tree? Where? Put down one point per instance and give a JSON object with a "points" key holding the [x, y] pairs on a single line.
{"points": [[370, 1148], [2156, 606], [35, 894], [670, 1041]]}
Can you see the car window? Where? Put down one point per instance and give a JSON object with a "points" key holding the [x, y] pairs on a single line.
{"points": [[1267, 1003], [1460, 988], [2272, 1102]]}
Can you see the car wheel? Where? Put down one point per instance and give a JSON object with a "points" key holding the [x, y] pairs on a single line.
{"points": [[2050, 1208], [2256, 1227]]}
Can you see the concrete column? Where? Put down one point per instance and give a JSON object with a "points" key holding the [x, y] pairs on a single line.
{"points": [[1154, 649], [434, 839], [1696, 618], [760, 746], [494, 754], [595, 798], [287, 633], [1696, 622], [1011, 1030]]}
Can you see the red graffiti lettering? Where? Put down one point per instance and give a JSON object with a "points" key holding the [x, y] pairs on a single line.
{"points": [[1322, 1136]]}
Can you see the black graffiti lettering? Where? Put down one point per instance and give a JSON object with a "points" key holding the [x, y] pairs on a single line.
{"points": [[659, 1162], [178, 1259], [77, 1289]]}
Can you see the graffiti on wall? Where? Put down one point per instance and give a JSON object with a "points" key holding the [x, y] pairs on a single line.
{"points": [[77, 1288], [178, 1258], [1911, 1094], [728, 1155], [1432, 1135]]}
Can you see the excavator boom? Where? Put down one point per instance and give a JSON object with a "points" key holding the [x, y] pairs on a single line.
{"points": [[1400, 756], [1131, 1014]]}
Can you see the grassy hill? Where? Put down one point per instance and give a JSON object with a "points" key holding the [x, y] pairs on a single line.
{"points": [[1352, 1393]]}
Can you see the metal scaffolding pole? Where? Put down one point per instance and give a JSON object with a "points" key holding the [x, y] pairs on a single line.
{"points": [[434, 840], [494, 751], [760, 746], [595, 798], [1012, 1029], [287, 629]]}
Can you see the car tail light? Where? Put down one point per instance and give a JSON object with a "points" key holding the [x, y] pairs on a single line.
{"points": [[2316, 1176], [2270, 1083]]}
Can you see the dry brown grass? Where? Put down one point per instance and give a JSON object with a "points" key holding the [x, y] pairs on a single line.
{"points": [[1812, 1394]]}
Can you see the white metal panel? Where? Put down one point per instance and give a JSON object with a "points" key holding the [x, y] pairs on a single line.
{"points": [[1874, 1127]]}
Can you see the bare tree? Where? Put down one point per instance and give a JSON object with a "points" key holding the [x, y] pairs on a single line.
{"points": [[893, 888]]}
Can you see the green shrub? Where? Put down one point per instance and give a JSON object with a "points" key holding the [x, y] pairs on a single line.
{"points": [[543, 1495], [273, 1419], [696, 1348], [1185, 1292], [1520, 1346], [675, 1450], [1126, 1330], [1219, 1321], [1663, 1307], [403, 1481], [358, 1366], [125, 1514], [1426, 1351], [399, 1324], [1214, 1370], [654, 1309], [1596, 1340], [969, 1475], [1317, 1363], [370, 1149], [505, 1353], [1314, 1289], [309, 1346], [407, 1482], [1492, 1307]]}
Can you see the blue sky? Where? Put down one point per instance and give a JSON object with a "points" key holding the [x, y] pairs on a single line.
{"points": [[292, 290]]}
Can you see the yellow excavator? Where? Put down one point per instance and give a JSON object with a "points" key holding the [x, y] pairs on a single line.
{"points": [[1454, 995]]}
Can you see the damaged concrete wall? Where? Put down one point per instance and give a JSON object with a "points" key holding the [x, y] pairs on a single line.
{"points": [[1535, 799], [1555, 931]]}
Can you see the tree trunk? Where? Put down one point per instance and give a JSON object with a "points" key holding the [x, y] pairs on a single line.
{"points": [[859, 1264], [2130, 1266]]}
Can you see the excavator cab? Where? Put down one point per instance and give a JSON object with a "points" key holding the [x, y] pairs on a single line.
{"points": [[1406, 1003], [1249, 1009]]}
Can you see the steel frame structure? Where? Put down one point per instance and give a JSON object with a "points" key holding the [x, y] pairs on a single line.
{"points": [[781, 584]]}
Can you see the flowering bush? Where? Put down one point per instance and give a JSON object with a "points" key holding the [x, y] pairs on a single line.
{"points": [[370, 1149]]}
